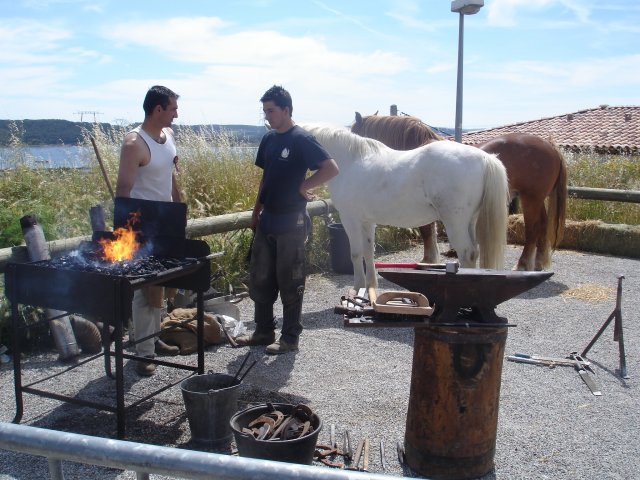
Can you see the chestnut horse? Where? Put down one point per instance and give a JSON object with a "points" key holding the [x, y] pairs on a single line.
{"points": [[535, 168]]}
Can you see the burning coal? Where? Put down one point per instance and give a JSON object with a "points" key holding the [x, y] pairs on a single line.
{"points": [[120, 254], [125, 244]]}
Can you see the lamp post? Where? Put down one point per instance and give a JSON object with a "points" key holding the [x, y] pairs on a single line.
{"points": [[462, 7]]}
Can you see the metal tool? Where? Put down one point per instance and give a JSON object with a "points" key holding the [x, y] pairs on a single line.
{"points": [[355, 464], [617, 331], [548, 361], [586, 372], [365, 461], [383, 461], [332, 436], [346, 445], [248, 369], [400, 451], [574, 360]]}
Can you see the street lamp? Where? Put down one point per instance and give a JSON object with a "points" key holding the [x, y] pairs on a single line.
{"points": [[463, 7]]}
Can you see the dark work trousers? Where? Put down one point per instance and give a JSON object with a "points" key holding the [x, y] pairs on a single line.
{"points": [[278, 266]]}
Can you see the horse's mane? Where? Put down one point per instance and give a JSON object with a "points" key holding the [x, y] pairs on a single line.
{"points": [[358, 146], [398, 132]]}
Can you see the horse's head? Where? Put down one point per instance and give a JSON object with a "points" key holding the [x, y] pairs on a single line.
{"points": [[358, 126]]}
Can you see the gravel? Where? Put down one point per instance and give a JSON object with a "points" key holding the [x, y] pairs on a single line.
{"points": [[550, 425]]}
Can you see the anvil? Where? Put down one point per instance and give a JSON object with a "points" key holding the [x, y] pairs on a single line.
{"points": [[476, 288]]}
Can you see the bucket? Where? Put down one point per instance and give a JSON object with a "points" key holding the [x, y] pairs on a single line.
{"points": [[339, 249], [210, 401], [299, 450], [452, 418]]}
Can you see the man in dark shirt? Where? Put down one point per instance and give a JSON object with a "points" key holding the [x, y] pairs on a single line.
{"points": [[281, 223]]}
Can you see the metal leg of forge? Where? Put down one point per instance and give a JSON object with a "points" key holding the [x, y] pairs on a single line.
{"points": [[617, 331], [118, 356], [114, 307]]}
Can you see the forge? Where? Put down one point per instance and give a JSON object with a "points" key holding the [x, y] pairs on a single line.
{"points": [[85, 284]]}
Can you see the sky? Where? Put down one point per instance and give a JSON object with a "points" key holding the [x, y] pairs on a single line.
{"points": [[523, 59]]}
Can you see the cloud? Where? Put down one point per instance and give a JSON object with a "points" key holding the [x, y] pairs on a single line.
{"points": [[508, 13], [29, 41], [203, 40]]}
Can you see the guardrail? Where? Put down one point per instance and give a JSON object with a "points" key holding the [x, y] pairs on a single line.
{"points": [[145, 459], [607, 194]]}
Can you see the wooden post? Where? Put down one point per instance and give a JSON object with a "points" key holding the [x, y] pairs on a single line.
{"points": [[61, 329], [394, 110], [452, 419], [101, 163]]}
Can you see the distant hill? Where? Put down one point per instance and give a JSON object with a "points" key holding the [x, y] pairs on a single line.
{"points": [[64, 132]]}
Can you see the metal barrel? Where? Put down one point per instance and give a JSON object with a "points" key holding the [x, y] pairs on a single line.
{"points": [[452, 417]]}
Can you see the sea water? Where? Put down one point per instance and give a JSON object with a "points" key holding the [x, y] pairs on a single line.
{"points": [[46, 156]]}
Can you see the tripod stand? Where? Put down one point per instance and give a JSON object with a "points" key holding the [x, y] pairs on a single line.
{"points": [[617, 331]]}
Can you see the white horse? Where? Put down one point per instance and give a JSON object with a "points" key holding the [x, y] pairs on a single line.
{"points": [[460, 185]]}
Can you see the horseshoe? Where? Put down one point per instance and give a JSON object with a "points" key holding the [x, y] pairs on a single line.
{"points": [[262, 419]]}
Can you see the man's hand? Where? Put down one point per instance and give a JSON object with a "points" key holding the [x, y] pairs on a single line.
{"points": [[309, 197]]}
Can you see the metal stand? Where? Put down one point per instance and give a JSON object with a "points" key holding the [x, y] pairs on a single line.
{"points": [[108, 298], [617, 331]]}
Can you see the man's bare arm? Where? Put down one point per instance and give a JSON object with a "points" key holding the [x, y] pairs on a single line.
{"points": [[132, 156]]}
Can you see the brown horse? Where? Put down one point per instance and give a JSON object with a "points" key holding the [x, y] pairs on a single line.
{"points": [[535, 167]]}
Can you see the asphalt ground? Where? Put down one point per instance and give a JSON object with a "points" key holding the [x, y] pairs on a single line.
{"points": [[550, 425]]}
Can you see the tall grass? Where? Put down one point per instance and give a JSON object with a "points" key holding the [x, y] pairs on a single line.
{"points": [[620, 172]]}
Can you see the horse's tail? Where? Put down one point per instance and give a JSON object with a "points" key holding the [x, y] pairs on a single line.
{"points": [[491, 226], [557, 205]]}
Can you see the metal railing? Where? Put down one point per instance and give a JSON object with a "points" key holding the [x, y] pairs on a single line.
{"points": [[146, 459]]}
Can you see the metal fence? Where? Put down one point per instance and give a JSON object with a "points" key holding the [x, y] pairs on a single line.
{"points": [[146, 459]]}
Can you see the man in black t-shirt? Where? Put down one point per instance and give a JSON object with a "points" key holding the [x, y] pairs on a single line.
{"points": [[281, 223]]}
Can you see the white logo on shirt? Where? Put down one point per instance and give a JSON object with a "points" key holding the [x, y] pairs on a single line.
{"points": [[285, 153]]}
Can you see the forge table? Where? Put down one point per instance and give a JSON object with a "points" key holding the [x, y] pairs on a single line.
{"points": [[107, 297]]}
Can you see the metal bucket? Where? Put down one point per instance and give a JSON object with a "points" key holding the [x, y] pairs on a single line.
{"points": [[339, 249], [210, 401], [299, 450]]}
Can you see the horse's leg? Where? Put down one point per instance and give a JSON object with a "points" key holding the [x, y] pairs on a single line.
{"points": [[532, 232], [543, 249], [462, 240], [368, 248], [429, 234], [354, 232]]}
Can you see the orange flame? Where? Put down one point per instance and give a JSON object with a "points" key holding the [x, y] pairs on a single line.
{"points": [[125, 245]]}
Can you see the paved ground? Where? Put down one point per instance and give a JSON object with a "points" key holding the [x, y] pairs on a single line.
{"points": [[550, 425]]}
